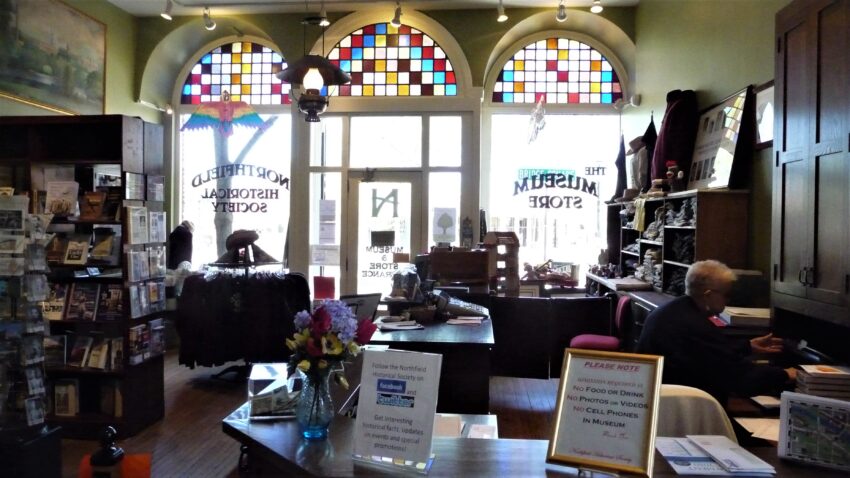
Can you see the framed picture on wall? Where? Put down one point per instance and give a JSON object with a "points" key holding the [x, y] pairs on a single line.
{"points": [[724, 140], [764, 115], [58, 58]]}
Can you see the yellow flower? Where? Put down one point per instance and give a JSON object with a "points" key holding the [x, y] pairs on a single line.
{"points": [[323, 364], [331, 345], [353, 348], [291, 344], [304, 365]]}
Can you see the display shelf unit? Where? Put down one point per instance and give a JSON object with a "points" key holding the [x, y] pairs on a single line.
{"points": [[717, 229], [102, 151]]}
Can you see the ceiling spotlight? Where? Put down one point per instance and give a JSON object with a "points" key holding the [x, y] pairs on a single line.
{"points": [[596, 7], [561, 16], [502, 17], [396, 21], [209, 23], [323, 17], [166, 12]]}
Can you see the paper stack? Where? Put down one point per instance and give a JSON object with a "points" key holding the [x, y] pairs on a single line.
{"points": [[711, 455], [746, 316], [397, 323], [824, 381], [465, 321]]}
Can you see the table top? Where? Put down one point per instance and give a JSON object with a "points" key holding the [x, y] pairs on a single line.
{"points": [[279, 443], [440, 333]]}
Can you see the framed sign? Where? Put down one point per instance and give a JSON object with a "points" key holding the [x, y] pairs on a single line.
{"points": [[606, 413], [56, 58], [723, 144]]}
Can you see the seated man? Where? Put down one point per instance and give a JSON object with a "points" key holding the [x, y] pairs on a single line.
{"points": [[696, 352]]}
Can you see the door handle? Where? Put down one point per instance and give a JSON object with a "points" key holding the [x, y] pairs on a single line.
{"points": [[810, 282], [801, 277]]}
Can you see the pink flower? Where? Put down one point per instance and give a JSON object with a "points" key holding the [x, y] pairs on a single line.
{"points": [[365, 329], [314, 347], [321, 323]]}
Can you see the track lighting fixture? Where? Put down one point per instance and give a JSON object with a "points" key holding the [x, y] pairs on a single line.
{"points": [[501, 10], [561, 16], [596, 7], [209, 23], [396, 21], [166, 12]]}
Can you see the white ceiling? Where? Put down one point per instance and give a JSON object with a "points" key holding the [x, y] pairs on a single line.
{"points": [[147, 8]]}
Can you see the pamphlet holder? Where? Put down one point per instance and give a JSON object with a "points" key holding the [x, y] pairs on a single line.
{"points": [[395, 465]]}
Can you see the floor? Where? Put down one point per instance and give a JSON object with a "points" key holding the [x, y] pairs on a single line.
{"points": [[189, 441]]}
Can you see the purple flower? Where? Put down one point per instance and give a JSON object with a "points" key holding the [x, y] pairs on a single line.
{"points": [[302, 320]]}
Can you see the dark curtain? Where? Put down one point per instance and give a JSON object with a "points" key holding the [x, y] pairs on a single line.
{"points": [[650, 136], [620, 162]]}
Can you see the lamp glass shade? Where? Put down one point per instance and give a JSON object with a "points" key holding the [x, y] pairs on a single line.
{"points": [[313, 80]]}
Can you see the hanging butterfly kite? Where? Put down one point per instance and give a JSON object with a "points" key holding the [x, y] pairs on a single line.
{"points": [[223, 115]]}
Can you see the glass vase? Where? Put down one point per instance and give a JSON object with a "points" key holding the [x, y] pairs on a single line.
{"points": [[314, 411]]}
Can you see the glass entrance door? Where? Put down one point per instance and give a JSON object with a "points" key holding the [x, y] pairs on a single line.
{"points": [[384, 219]]}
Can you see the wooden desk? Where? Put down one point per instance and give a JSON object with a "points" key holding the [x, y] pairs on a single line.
{"points": [[465, 374], [275, 449]]}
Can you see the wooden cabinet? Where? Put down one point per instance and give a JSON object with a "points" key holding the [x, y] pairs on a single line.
{"points": [[811, 197], [689, 226], [120, 151]]}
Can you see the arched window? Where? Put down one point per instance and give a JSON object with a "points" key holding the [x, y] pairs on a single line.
{"points": [[387, 61], [561, 70], [245, 69]]}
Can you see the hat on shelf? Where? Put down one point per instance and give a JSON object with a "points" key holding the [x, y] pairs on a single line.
{"points": [[635, 145]]}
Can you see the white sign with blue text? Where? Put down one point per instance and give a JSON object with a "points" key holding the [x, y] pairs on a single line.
{"points": [[398, 401]]}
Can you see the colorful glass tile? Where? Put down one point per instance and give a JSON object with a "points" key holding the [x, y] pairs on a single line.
{"points": [[387, 61], [560, 70], [244, 69]]}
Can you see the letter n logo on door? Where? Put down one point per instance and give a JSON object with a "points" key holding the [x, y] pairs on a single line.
{"points": [[378, 202]]}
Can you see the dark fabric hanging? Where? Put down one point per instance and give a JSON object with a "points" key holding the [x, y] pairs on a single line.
{"points": [[231, 316], [620, 162], [678, 133], [650, 136], [482, 231]]}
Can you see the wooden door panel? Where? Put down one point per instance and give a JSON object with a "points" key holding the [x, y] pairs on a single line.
{"points": [[831, 210], [793, 213], [831, 81], [794, 120]]}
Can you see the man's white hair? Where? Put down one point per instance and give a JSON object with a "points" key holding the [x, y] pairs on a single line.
{"points": [[704, 275]]}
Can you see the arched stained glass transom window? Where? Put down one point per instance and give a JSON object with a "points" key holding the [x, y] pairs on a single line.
{"points": [[245, 69], [559, 69], [387, 61]]}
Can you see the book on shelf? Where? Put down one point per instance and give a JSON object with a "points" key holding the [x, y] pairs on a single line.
{"points": [[139, 343], [158, 232], [110, 304], [91, 205], [156, 296], [157, 334], [112, 202], [116, 353], [106, 244], [82, 301], [35, 410], [61, 197], [35, 380], [55, 350], [821, 371], [77, 249], [137, 224], [32, 349], [12, 244], [54, 307], [138, 266], [56, 247], [66, 398], [139, 302], [99, 355], [79, 355], [156, 259]]}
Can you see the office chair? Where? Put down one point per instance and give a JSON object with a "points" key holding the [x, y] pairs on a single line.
{"points": [[686, 410], [608, 343]]}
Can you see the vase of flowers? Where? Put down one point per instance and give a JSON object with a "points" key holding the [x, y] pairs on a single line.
{"points": [[323, 340]]}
